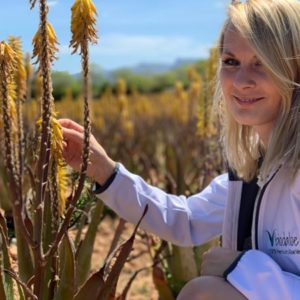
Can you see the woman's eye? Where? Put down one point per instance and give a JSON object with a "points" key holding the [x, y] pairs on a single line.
{"points": [[230, 62]]}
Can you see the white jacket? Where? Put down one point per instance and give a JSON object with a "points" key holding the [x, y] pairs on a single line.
{"points": [[270, 271]]}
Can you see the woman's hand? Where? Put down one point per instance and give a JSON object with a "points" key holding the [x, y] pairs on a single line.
{"points": [[216, 260], [100, 166]]}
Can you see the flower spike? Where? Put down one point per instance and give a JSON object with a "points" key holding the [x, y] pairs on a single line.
{"points": [[83, 24], [52, 45], [7, 59]]}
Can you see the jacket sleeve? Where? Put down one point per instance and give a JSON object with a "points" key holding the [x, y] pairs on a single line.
{"points": [[181, 220], [258, 277]]}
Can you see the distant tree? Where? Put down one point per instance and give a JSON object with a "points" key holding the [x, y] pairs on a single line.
{"points": [[62, 82]]}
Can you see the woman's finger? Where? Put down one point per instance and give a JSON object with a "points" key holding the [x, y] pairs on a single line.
{"points": [[72, 135], [67, 123]]}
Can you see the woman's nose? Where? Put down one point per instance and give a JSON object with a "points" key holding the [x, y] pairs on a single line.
{"points": [[244, 79]]}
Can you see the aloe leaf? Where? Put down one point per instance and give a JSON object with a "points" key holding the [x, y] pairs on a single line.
{"points": [[161, 284], [21, 293], [28, 294], [123, 251], [91, 288], [2, 289], [199, 250], [84, 255], [5, 264], [54, 278], [25, 261], [184, 263], [66, 286], [49, 229]]}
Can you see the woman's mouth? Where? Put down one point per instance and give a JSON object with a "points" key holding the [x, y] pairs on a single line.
{"points": [[244, 100]]}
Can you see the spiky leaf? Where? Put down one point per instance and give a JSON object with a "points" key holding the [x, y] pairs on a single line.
{"points": [[91, 288], [121, 255], [83, 260], [5, 263], [66, 287], [161, 284]]}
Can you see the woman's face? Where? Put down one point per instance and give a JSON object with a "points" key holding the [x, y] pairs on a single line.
{"points": [[250, 94]]}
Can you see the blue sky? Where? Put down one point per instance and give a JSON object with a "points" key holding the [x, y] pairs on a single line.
{"points": [[131, 31]]}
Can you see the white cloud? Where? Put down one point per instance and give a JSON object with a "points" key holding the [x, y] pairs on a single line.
{"points": [[150, 45], [116, 50]]}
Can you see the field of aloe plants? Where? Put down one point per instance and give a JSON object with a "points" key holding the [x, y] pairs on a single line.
{"points": [[169, 138]]}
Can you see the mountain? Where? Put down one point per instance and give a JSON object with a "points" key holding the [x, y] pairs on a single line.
{"points": [[140, 69], [156, 68]]}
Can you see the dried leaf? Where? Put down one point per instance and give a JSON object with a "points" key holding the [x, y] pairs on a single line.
{"points": [[161, 284], [91, 288]]}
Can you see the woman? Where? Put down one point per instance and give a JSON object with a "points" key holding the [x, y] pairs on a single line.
{"points": [[256, 205]]}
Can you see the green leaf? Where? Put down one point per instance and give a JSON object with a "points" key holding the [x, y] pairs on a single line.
{"points": [[84, 255], [25, 263], [2, 289], [184, 263], [66, 286], [21, 292], [5, 261], [49, 230]]}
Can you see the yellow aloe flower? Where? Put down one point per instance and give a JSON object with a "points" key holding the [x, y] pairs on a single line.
{"points": [[121, 87], [83, 23], [57, 139], [180, 92], [193, 75], [52, 44], [7, 68], [14, 126], [11, 91], [63, 183], [20, 73], [7, 59], [28, 67]]}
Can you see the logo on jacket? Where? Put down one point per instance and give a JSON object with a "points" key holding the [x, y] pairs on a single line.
{"points": [[283, 240]]}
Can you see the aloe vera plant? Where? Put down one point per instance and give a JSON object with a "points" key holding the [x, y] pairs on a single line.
{"points": [[51, 265]]}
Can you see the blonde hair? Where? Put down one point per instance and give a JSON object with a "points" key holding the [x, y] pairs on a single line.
{"points": [[272, 28]]}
